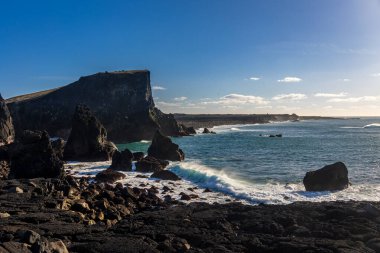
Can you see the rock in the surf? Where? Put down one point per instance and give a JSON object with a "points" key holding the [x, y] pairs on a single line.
{"points": [[58, 147], [150, 164], [165, 175], [7, 133], [32, 156], [137, 156], [207, 131], [163, 148], [332, 177], [88, 138], [122, 160], [188, 130], [109, 176]]}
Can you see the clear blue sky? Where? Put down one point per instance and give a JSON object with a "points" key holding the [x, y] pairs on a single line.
{"points": [[237, 56]]}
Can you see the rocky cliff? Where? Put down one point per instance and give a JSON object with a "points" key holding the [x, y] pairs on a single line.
{"points": [[6, 126], [122, 101]]}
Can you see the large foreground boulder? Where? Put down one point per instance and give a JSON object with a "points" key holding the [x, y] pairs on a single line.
{"points": [[163, 148], [7, 133], [332, 177], [150, 164], [109, 176], [88, 138], [32, 156], [122, 160]]}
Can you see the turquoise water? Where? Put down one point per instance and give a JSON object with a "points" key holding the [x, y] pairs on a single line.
{"points": [[244, 160]]}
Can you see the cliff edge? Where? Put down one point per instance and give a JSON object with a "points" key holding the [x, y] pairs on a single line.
{"points": [[122, 101]]}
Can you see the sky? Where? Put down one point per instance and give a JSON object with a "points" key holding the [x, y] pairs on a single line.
{"points": [[205, 56]]}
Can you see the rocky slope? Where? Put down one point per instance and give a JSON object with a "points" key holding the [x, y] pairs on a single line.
{"points": [[122, 101], [6, 126]]}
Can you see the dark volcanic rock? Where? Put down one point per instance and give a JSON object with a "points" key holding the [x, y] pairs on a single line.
{"points": [[33, 156], [122, 160], [4, 163], [330, 178], [88, 138], [188, 130], [165, 175], [109, 176], [137, 156], [58, 146], [207, 131], [162, 147], [150, 164], [122, 101], [7, 133]]}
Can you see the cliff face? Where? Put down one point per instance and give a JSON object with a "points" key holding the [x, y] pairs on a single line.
{"points": [[6, 126], [122, 101]]}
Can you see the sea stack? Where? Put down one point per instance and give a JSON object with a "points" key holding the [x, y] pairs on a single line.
{"points": [[163, 148], [88, 138], [7, 133], [333, 177]]}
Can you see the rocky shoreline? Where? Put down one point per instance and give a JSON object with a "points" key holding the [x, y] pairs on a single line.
{"points": [[78, 215]]}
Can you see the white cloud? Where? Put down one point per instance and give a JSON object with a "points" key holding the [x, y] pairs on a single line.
{"points": [[255, 78], [355, 99], [345, 80], [180, 99], [238, 99], [331, 95], [290, 79], [291, 96], [168, 104], [376, 75], [158, 88]]}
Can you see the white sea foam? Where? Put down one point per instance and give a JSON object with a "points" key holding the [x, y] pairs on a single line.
{"points": [[226, 187], [145, 141], [373, 125]]}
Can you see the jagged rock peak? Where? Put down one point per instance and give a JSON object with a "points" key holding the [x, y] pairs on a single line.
{"points": [[7, 133]]}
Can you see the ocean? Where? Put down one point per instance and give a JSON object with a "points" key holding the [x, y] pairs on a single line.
{"points": [[241, 162]]}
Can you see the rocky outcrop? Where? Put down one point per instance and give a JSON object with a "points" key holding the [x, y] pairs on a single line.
{"points": [[88, 138], [7, 133], [207, 131], [137, 156], [122, 101], [330, 178], [122, 160], [32, 156], [109, 176], [58, 146], [165, 175], [163, 148], [188, 130], [151, 164]]}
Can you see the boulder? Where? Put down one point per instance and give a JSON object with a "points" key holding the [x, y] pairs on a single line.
{"points": [[7, 133], [4, 163], [150, 164], [165, 175], [88, 138], [58, 146], [109, 176], [122, 160], [137, 156], [207, 131], [163, 148], [332, 177], [32, 156]]}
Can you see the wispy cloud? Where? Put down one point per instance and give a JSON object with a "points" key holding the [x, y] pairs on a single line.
{"points": [[290, 79], [168, 104], [355, 99], [331, 95], [255, 78], [158, 88], [376, 75], [291, 97], [345, 80], [238, 99], [180, 99]]}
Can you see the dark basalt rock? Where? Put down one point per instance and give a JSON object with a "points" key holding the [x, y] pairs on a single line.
{"points": [[151, 164], [88, 138], [122, 160], [58, 146], [188, 130], [165, 175], [7, 133], [137, 156], [109, 176], [32, 156], [4, 163], [207, 131], [330, 178], [163, 148], [122, 101]]}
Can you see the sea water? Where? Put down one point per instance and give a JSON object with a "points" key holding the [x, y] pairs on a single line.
{"points": [[244, 163]]}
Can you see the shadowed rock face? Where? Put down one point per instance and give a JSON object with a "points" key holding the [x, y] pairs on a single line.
{"points": [[88, 138], [7, 133], [122, 101], [163, 148]]}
